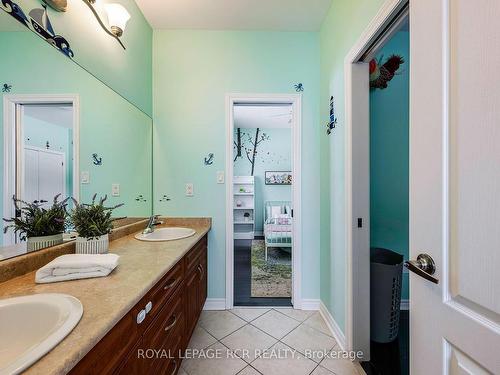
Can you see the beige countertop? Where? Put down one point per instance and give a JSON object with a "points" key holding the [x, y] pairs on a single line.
{"points": [[106, 300]]}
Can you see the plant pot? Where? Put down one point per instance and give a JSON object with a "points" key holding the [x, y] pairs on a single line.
{"points": [[37, 243], [94, 245]]}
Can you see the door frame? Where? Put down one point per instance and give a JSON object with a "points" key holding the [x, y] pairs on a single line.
{"points": [[357, 180], [296, 101], [12, 142]]}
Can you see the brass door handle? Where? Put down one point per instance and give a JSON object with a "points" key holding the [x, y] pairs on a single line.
{"points": [[424, 266]]}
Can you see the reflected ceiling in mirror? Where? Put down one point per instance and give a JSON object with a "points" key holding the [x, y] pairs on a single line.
{"points": [[93, 34]]}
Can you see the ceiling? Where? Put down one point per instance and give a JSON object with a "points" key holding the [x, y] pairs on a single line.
{"points": [[277, 15], [262, 116], [59, 114]]}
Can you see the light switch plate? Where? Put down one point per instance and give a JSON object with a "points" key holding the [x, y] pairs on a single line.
{"points": [[115, 190], [85, 177], [220, 177], [189, 189]]}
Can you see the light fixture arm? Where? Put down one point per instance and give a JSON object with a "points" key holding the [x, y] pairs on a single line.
{"points": [[89, 4]]}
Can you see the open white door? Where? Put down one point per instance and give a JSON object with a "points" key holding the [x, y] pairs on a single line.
{"points": [[455, 185]]}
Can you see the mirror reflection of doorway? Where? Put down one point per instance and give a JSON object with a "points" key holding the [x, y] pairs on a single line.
{"points": [[46, 136], [41, 137]]}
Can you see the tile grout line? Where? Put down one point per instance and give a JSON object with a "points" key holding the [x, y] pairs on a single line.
{"points": [[303, 322]]}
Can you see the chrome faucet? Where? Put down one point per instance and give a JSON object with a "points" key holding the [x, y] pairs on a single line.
{"points": [[153, 221]]}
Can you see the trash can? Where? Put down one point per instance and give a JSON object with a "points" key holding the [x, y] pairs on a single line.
{"points": [[386, 273]]}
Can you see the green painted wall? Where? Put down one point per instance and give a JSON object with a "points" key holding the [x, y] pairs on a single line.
{"points": [[389, 157], [129, 72], [193, 70], [109, 125], [37, 133], [274, 154], [343, 25]]}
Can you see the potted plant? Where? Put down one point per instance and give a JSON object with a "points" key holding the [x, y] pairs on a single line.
{"points": [[93, 223], [41, 227]]}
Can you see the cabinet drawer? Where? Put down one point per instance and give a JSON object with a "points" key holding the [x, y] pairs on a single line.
{"points": [[170, 366], [194, 253], [165, 334], [166, 323], [165, 289]]}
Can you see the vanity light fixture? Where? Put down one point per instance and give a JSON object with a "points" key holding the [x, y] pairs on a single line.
{"points": [[117, 19]]}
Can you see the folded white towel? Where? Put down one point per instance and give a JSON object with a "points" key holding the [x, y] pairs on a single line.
{"points": [[77, 266]]}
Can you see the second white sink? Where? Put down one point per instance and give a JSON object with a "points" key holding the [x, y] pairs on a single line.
{"points": [[166, 234], [30, 326]]}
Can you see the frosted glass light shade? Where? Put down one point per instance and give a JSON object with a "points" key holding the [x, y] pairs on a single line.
{"points": [[117, 18]]}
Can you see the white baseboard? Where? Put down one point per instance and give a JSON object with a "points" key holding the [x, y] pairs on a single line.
{"points": [[310, 304], [405, 304], [332, 325], [215, 304]]}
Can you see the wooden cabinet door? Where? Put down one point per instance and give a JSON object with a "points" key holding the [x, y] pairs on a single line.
{"points": [[202, 281], [192, 301], [133, 364]]}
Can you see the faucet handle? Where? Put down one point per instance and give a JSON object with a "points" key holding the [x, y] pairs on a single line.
{"points": [[156, 220]]}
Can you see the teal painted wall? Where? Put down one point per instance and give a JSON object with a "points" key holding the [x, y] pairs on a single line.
{"points": [[274, 154], [193, 71], [109, 125], [38, 132], [129, 71], [343, 25], [389, 157]]}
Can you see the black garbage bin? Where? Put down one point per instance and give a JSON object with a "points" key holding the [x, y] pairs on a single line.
{"points": [[386, 273]]}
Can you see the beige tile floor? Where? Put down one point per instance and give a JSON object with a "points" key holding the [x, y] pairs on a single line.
{"points": [[263, 341]]}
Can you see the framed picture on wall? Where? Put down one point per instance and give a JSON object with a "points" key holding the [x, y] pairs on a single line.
{"points": [[278, 178]]}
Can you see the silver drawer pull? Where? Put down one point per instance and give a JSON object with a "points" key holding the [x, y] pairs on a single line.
{"points": [[170, 285], [170, 326], [175, 367]]}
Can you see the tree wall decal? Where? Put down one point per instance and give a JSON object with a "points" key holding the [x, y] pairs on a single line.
{"points": [[246, 141]]}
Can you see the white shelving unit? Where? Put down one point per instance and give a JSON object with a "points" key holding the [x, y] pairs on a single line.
{"points": [[244, 207]]}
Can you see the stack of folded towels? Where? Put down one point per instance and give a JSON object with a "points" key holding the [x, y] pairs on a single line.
{"points": [[77, 266]]}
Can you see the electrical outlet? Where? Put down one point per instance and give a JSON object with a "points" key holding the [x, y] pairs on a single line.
{"points": [[220, 177], [85, 177], [189, 190], [115, 190]]}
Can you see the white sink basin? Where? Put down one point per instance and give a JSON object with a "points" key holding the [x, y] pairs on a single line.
{"points": [[30, 326], [166, 234]]}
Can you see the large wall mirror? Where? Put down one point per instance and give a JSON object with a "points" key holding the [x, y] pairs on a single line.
{"points": [[66, 134]]}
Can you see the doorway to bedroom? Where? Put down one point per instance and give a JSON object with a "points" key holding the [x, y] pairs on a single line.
{"points": [[262, 204]]}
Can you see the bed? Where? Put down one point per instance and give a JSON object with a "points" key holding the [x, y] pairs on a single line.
{"points": [[277, 225]]}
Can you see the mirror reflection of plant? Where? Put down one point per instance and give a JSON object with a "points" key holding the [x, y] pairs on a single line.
{"points": [[35, 220], [92, 220]]}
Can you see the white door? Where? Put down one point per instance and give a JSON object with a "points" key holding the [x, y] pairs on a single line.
{"points": [[44, 175], [455, 185]]}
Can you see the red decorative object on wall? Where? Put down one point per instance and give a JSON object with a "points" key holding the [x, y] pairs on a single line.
{"points": [[380, 75]]}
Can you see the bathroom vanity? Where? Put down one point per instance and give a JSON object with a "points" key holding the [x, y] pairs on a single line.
{"points": [[152, 300], [162, 321]]}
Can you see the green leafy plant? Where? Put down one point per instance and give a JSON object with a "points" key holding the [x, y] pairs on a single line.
{"points": [[92, 220], [35, 220]]}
